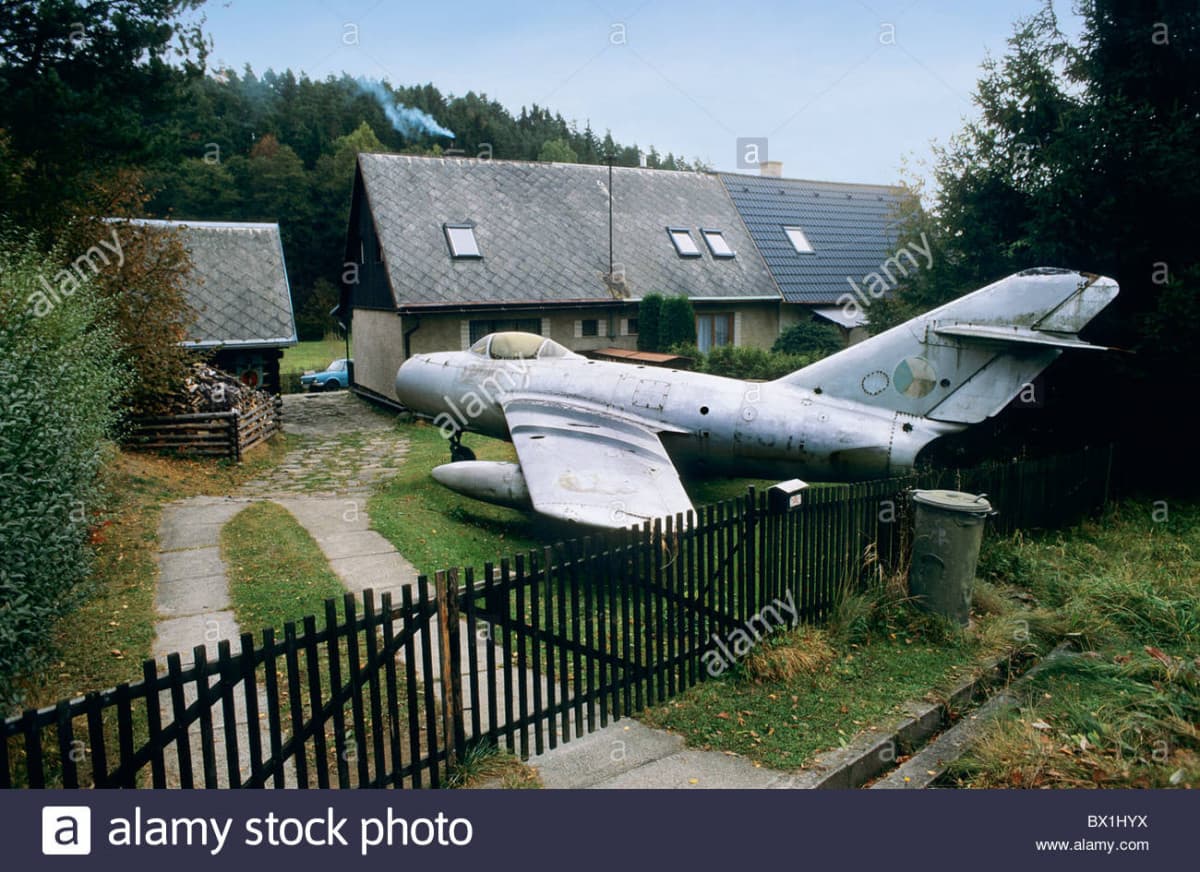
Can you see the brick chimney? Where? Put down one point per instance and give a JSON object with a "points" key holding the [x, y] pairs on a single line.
{"points": [[773, 168]]}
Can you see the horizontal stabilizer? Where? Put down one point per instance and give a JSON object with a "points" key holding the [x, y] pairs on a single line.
{"points": [[967, 359], [1019, 335]]}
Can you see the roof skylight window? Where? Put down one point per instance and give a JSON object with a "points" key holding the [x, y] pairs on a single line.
{"points": [[799, 241], [684, 244], [461, 239], [715, 240]]}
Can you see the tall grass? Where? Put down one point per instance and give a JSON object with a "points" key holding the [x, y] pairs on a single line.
{"points": [[1124, 712]]}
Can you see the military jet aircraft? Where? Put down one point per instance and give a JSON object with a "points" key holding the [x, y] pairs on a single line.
{"points": [[600, 443]]}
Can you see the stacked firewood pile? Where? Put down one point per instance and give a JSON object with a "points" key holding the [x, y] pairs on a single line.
{"points": [[208, 389], [214, 414]]}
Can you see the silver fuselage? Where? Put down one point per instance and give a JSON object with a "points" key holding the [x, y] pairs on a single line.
{"points": [[708, 424]]}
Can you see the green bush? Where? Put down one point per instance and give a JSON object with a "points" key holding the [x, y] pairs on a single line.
{"points": [[60, 380], [810, 337], [649, 318], [678, 324], [744, 362]]}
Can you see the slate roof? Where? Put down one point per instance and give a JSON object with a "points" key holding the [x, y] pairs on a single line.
{"points": [[238, 285], [850, 227], [542, 229]]}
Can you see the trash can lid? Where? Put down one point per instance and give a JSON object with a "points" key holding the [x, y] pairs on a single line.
{"points": [[953, 501]]}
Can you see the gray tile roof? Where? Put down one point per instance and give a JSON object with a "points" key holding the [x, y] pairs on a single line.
{"points": [[542, 229], [850, 227], [238, 285]]}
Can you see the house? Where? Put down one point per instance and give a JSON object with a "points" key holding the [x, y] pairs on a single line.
{"points": [[441, 251], [239, 289], [818, 239]]}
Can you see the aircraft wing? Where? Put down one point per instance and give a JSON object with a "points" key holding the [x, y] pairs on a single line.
{"points": [[585, 465]]}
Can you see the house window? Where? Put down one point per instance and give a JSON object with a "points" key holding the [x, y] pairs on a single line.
{"points": [[799, 241], [715, 240], [589, 327], [714, 330], [461, 239], [481, 328], [631, 327], [684, 244]]}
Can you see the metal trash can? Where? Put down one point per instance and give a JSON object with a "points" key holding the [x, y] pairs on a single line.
{"points": [[947, 531]]}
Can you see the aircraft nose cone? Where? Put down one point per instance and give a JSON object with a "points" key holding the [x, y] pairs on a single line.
{"points": [[410, 387]]}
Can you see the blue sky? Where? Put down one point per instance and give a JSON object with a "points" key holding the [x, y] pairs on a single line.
{"points": [[845, 91]]}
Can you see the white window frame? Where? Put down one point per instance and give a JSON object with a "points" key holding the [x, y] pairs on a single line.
{"points": [[803, 246], [473, 252], [722, 249], [677, 236]]}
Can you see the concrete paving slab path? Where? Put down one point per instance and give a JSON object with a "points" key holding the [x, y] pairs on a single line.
{"points": [[192, 596], [627, 754], [192, 601]]}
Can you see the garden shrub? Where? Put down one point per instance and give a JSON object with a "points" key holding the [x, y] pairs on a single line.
{"points": [[744, 362], [811, 338], [60, 382]]}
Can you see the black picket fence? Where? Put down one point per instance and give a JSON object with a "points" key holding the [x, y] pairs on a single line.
{"points": [[534, 651]]}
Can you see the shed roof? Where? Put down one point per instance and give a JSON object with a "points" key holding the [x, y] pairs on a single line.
{"points": [[542, 232], [851, 227], [238, 284], [653, 358]]}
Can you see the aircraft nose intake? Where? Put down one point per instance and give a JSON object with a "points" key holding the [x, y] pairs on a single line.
{"points": [[411, 382]]}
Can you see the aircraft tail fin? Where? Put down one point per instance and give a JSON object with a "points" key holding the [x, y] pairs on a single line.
{"points": [[966, 360]]}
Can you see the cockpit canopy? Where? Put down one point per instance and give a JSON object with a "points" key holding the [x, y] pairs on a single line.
{"points": [[519, 346]]}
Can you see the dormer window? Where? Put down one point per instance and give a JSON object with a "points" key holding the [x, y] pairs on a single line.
{"points": [[715, 240], [461, 240], [685, 245]]}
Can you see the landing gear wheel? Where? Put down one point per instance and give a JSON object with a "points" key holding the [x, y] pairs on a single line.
{"points": [[458, 451]]}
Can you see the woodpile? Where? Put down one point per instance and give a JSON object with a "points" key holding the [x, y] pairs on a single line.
{"points": [[208, 389], [213, 415]]}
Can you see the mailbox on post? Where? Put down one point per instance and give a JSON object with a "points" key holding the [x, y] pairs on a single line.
{"points": [[787, 496]]}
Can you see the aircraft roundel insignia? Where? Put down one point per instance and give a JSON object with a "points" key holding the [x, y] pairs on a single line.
{"points": [[914, 377], [875, 383]]}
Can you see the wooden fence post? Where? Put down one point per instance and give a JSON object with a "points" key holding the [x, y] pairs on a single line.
{"points": [[446, 591], [235, 437]]}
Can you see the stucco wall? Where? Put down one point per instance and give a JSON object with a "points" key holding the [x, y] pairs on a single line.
{"points": [[451, 332], [755, 324], [378, 350], [379, 336], [435, 332]]}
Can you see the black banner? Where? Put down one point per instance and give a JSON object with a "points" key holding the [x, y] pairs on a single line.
{"points": [[582, 830]]}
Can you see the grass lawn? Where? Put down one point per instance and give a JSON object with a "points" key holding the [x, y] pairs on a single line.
{"points": [[314, 355], [436, 529], [105, 640], [1126, 712], [849, 679], [277, 573]]}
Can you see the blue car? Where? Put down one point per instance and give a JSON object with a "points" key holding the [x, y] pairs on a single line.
{"points": [[333, 377]]}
